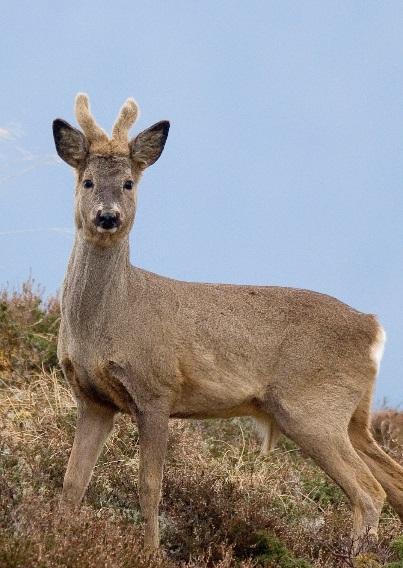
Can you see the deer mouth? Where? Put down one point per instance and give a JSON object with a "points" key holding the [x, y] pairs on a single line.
{"points": [[109, 231]]}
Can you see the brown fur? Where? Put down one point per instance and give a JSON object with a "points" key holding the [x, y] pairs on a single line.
{"points": [[386, 427], [157, 348]]}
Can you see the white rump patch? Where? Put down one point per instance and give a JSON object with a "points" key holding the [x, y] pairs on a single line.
{"points": [[376, 350]]}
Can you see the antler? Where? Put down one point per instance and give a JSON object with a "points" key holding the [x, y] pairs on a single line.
{"points": [[97, 137], [92, 130], [127, 117]]}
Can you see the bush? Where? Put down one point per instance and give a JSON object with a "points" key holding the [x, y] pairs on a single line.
{"points": [[223, 504]]}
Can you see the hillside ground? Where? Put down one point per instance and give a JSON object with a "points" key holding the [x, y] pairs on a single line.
{"points": [[224, 505]]}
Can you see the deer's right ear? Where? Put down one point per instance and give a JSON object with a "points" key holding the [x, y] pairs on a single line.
{"points": [[71, 144]]}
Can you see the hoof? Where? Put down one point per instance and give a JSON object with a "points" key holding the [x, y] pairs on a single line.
{"points": [[365, 543]]}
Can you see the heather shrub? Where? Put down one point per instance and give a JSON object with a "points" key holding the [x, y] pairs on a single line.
{"points": [[224, 505]]}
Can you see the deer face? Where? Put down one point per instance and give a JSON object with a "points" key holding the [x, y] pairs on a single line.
{"points": [[106, 198], [107, 171]]}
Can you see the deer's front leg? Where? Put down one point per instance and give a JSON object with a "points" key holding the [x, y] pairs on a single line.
{"points": [[94, 423], [153, 434]]}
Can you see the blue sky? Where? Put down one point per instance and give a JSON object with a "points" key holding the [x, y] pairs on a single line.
{"points": [[284, 163]]}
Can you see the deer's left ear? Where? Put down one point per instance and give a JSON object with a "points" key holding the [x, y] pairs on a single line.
{"points": [[147, 147]]}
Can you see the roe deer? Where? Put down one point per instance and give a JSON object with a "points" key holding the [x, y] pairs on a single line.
{"points": [[156, 348]]}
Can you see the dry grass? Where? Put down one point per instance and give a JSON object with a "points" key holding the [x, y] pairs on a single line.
{"points": [[223, 505]]}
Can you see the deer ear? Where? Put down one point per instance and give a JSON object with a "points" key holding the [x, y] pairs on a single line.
{"points": [[71, 144], [147, 147]]}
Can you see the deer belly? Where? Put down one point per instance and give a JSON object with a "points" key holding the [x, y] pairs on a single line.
{"points": [[212, 391]]}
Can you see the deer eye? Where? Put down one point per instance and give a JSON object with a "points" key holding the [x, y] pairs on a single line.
{"points": [[87, 183], [128, 184]]}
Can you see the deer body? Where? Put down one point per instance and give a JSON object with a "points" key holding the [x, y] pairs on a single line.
{"points": [[209, 350], [157, 348]]}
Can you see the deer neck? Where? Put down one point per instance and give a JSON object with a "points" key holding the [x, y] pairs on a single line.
{"points": [[96, 285]]}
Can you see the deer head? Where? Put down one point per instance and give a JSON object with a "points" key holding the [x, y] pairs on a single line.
{"points": [[107, 169]]}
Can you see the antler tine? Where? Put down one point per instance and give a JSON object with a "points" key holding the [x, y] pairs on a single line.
{"points": [[127, 117], [87, 122]]}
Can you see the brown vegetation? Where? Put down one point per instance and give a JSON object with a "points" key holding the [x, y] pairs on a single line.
{"points": [[224, 504], [387, 427]]}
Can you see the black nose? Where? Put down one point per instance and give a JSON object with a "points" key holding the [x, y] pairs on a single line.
{"points": [[107, 219]]}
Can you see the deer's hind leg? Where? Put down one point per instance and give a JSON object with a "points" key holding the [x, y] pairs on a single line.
{"points": [[268, 431], [320, 429], [383, 467], [94, 423]]}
